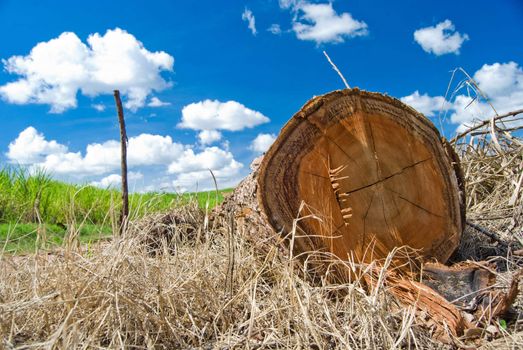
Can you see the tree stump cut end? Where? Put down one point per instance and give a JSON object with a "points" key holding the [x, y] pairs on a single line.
{"points": [[369, 174]]}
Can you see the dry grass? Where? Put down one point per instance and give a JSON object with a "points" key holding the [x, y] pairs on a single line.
{"points": [[493, 170], [178, 280], [128, 294], [192, 288]]}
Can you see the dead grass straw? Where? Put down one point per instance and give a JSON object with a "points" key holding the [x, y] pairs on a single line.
{"points": [[174, 293], [180, 280]]}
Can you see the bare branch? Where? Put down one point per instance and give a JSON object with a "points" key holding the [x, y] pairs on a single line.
{"points": [[337, 70]]}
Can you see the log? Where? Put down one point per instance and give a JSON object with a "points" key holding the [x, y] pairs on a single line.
{"points": [[356, 175], [369, 173]]}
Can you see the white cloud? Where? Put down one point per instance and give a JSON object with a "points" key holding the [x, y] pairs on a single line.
{"points": [[425, 104], [212, 158], [503, 85], [156, 102], [466, 110], [134, 175], [286, 4], [144, 149], [192, 168], [262, 142], [170, 165], [226, 145], [100, 107], [440, 39], [216, 115], [275, 29], [31, 147], [249, 18], [321, 23], [500, 79], [112, 180], [147, 149], [501, 82], [115, 180], [202, 180], [54, 71], [207, 137]]}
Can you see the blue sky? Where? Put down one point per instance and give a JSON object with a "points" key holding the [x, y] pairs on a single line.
{"points": [[203, 80]]}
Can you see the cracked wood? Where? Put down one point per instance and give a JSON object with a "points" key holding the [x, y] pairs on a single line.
{"points": [[371, 170]]}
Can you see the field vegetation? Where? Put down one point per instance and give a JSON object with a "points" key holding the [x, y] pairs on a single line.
{"points": [[182, 276], [39, 212]]}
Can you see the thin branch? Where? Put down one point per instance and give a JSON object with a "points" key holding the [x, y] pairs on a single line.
{"points": [[486, 122], [215, 187], [484, 132], [490, 234], [337, 70]]}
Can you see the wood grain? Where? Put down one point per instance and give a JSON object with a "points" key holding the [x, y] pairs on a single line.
{"points": [[373, 174]]}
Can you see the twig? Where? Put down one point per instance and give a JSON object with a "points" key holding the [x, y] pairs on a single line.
{"points": [[123, 142], [488, 233], [486, 122], [337, 70], [215, 187], [230, 265], [485, 132]]}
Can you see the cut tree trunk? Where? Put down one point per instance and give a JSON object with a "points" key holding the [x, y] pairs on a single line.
{"points": [[356, 175], [369, 174]]}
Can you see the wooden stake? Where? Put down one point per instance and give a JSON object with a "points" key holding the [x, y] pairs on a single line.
{"points": [[123, 142]]}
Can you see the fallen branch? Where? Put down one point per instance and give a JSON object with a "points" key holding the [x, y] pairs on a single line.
{"points": [[488, 233], [484, 123]]}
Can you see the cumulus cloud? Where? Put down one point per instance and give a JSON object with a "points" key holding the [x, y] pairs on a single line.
{"points": [[248, 17], [115, 180], [31, 147], [148, 149], [500, 79], [206, 137], [112, 180], [319, 22], [440, 39], [274, 29], [156, 102], [194, 167], [183, 166], [55, 71], [262, 142], [216, 115], [502, 83], [212, 158], [425, 104]]}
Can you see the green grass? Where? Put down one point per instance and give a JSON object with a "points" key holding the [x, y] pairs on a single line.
{"points": [[23, 238], [36, 200]]}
